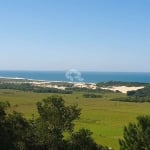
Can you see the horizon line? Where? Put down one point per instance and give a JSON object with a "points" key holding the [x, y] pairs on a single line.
{"points": [[75, 69]]}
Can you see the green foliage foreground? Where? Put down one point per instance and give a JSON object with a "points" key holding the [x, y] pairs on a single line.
{"points": [[45, 132], [137, 136]]}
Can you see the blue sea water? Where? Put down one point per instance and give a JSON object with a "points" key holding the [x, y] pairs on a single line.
{"points": [[88, 77]]}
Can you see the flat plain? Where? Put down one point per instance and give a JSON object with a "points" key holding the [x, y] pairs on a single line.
{"points": [[105, 118]]}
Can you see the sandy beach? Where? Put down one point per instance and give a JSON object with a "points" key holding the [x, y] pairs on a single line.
{"points": [[123, 89], [62, 85]]}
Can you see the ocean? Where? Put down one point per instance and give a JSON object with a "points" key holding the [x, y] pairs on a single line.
{"points": [[76, 76]]}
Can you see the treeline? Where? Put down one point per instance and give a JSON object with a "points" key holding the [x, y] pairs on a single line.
{"points": [[65, 84], [92, 95], [45, 132], [97, 90], [120, 83], [30, 87], [141, 95]]}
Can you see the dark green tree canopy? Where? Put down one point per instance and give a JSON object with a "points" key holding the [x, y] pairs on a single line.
{"points": [[137, 136], [53, 111]]}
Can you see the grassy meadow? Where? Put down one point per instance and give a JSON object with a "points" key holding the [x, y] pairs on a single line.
{"points": [[103, 117]]}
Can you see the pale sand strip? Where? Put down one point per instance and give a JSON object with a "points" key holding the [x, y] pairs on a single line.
{"points": [[41, 83], [123, 89]]}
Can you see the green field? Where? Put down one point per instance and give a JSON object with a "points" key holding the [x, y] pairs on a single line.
{"points": [[103, 117]]}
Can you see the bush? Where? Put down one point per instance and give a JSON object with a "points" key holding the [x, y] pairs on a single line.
{"points": [[137, 136], [86, 95]]}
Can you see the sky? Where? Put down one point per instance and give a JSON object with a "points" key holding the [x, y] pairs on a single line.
{"points": [[88, 35]]}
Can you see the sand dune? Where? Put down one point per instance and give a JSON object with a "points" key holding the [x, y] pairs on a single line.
{"points": [[122, 89]]}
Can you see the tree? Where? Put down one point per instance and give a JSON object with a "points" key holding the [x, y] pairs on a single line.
{"points": [[54, 119], [137, 136], [12, 129], [82, 140]]}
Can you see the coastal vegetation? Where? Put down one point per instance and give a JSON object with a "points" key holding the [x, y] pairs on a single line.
{"points": [[30, 87], [97, 90], [141, 95], [92, 95], [120, 83], [100, 115]]}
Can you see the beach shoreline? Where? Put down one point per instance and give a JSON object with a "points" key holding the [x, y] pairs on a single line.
{"points": [[62, 85]]}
